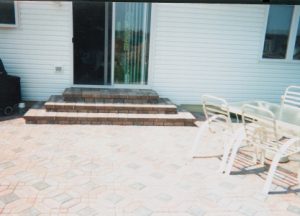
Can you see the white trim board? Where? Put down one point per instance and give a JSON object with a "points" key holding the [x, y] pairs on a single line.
{"points": [[153, 24], [17, 15]]}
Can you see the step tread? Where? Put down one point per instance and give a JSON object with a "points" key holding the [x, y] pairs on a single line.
{"points": [[57, 100], [110, 93], [32, 113]]}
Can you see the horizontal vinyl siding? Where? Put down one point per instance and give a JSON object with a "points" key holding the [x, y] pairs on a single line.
{"points": [[40, 42], [214, 49]]}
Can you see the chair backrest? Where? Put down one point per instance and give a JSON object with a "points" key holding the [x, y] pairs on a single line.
{"points": [[291, 97], [216, 107], [260, 124]]}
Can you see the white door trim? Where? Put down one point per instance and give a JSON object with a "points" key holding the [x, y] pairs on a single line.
{"points": [[72, 45], [151, 59], [106, 43], [112, 68]]}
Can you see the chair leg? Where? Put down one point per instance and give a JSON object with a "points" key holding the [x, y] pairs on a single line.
{"points": [[255, 153], [262, 157], [198, 142], [275, 162], [298, 176], [271, 173], [234, 151], [227, 148], [200, 133]]}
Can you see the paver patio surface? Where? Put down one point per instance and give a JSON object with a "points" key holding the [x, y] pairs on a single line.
{"points": [[125, 170]]}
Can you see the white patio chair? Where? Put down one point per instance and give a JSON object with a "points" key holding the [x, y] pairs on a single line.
{"points": [[261, 131], [217, 119], [291, 97], [290, 103]]}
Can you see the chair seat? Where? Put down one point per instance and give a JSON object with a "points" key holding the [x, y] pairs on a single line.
{"points": [[274, 146]]}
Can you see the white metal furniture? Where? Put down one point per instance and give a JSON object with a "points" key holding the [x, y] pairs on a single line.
{"points": [[291, 97], [290, 104], [262, 132], [288, 117], [218, 121]]}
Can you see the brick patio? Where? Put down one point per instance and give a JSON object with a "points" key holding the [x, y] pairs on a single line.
{"points": [[133, 170]]}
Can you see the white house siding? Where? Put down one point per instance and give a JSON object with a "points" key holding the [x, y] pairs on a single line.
{"points": [[40, 42], [215, 49], [195, 49]]}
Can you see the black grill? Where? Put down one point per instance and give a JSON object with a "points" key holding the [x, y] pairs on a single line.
{"points": [[10, 91]]}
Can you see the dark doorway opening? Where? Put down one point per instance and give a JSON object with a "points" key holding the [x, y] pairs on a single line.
{"points": [[92, 42]]}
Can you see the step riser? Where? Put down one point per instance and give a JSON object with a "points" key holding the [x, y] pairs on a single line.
{"points": [[162, 106], [145, 122], [94, 109], [110, 100]]}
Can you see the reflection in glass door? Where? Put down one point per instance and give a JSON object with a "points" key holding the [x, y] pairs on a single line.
{"points": [[91, 41], [131, 44], [297, 44]]}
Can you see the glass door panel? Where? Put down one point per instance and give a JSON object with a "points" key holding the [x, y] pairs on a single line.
{"points": [[278, 29], [132, 34], [91, 42]]}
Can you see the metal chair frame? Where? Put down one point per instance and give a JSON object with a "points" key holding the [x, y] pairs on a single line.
{"points": [[216, 111], [261, 131], [291, 97]]}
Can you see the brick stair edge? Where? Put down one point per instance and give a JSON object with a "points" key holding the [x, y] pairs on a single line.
{"points": [[112, 100], [40, 119], [111, 109]]}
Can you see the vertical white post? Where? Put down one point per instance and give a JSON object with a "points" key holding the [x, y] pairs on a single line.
{"points": [[113, 43], [106, 44], [139, 27], [136, 9], [292, 34], [143, 46]]}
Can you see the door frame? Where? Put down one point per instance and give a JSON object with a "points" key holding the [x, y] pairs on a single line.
{"points": [[113, 85]]}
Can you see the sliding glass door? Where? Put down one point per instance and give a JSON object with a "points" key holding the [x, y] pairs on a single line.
{"points": [[111, 44], [131, 42]]}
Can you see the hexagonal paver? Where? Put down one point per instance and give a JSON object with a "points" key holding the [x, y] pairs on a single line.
{"points": [[114, 198], [41, 185], [87, 211], [142, 211], [8, 198], [30, 212], [62, 198]]}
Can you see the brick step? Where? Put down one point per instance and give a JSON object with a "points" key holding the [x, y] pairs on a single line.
{"points": [[102, 95], [41, 116], [56, 103]]}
